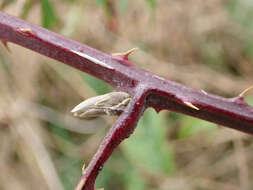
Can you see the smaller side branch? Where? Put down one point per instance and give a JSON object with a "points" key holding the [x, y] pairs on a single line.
{"points": [[122, 129]]}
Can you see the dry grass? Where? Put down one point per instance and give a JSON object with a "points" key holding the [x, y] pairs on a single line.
{"points": [[194, 42]]}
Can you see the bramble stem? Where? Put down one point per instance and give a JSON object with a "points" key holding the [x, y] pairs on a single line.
{"points": [[121, 129], [151, 90]]}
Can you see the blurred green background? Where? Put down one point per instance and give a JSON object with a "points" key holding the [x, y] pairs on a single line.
{"points": [[206, 45]]}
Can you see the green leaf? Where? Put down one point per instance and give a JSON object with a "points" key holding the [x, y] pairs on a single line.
{"points": [[249, 100], [26, 8], [101, 2], [231, 5], [115, 168], [48, 15], [123, 5], [5, 3], [104, 177], [151, 4], [59, 131], [69, 1], [241, 12], [147, 147], [192, 126], [70, 169], [135, 181], [98, 85]]}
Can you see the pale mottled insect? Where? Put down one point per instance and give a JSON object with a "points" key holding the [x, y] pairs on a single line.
{"points": [[108, 104]]}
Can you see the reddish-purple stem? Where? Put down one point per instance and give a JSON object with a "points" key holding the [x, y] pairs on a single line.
{"points": [[122, 129], [147, 89]]}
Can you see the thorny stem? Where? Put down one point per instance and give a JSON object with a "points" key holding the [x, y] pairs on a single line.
{"points": [[122, 129], [121, 74]]}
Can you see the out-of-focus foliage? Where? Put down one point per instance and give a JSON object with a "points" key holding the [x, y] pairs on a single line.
{"points": [[249, 100], [146, 151], [48, 14], [235, 10], [203, 44], [191, 126], [150, 139], [243, 18], [100, 87], [101, 2], [5, 3], [26, 8], [151, 3], [123, 5]]}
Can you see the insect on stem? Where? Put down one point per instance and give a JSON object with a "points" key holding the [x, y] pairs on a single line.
{"points": [[108, 104]]}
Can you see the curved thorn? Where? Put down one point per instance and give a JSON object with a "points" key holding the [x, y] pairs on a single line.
{"points": [[245, 91], [189, 104], [204, 92], [5, 44], [83, 168], [125, 54], [25, 30]]}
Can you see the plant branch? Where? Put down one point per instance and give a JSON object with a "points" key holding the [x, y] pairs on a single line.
{"points": [[121, 129], [234, 112], [147, 89]]}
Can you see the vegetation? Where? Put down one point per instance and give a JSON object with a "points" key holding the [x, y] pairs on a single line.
{"points": [[209, 50]]}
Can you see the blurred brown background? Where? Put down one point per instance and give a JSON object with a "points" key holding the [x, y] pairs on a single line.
{"points": [[203, 44]]}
